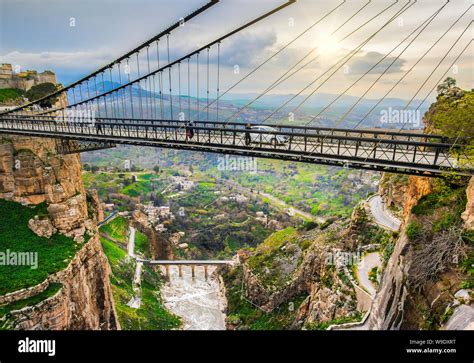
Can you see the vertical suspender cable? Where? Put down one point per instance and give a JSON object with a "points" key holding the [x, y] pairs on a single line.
{"points": [[131, 88], [218, 78], [105, 97], [189, 89], [139, 88], [179, 88], [148, 109], [207, 102], [197, 84], [169, 73], [96, 93], [160, 78]]}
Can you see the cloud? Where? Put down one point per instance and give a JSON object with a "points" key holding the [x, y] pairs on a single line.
{"points": [[58, 61], [362, 63], [246, 49]]}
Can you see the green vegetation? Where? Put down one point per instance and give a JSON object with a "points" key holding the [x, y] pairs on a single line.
{"points": [[142, 245], [445, 194], [244, 315], [10, 94], [443, 207], [414, 230], [54, 254], [368, 233], [283, 247], [342, 320], [50, 291], [41, 90], [373, 275], [152, 314], [116, 229], [453, 116]]}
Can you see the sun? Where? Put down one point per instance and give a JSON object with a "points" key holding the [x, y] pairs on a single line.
{"points": [[328, 45]]}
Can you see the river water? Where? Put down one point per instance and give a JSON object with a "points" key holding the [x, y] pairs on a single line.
{"points": [[196, 301]]}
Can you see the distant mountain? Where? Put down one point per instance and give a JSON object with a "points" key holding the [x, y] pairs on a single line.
{"points": [[231, 104], [318, 100]]}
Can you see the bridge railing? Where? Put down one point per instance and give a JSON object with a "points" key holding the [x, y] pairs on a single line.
{"points": [[306, 144], [371, 133]]}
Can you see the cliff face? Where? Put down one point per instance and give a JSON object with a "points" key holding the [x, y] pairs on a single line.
{"points": [[160, 247], [32, 172], [295, 265], [83, 303], [387, 308], [468, 215], [425, 269]]}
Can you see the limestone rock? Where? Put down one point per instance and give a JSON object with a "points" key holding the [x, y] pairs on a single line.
{"points": [[468, 215], [94, 202], [42, 227], [84, 301]]}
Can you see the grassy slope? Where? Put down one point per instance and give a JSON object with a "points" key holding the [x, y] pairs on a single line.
{"points": [[9, 94], [54, 254], [152, 315], [116, 229], [51, 290]]}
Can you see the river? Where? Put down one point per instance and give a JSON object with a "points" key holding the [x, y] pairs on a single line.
{"points": [[196, 301]]}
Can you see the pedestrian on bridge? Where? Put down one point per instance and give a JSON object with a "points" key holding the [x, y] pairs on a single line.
{"points": [[247, 134], [189, 130], [98, 126]]}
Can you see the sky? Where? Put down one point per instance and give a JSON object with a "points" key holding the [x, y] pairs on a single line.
{"points": [[74, 37]]}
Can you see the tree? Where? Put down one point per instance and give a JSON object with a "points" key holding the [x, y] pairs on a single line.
{"points": [[41, 90], [453, 118], [448, 83]]}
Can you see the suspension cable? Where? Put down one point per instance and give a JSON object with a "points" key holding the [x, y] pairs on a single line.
{"points": [[341, 60], [275, 54], [127, 55], [411, 68], [285, 76], [436, 84], [420, 30]]}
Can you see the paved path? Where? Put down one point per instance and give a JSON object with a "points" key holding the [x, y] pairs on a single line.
{"points": [[382, 215], [131, 242], [367, 263]]}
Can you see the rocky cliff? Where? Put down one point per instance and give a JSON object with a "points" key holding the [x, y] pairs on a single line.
{"points": [[299, 278], [32, 172], [430, 261], [83, 302]]}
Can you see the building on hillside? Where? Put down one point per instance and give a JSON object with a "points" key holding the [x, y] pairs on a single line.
{"points": [[23, 80]]}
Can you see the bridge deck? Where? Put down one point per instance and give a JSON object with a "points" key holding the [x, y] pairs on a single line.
{"points": [[417, 154]]}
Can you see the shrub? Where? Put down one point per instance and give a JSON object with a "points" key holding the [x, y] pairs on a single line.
{"points": [[41, 90], [414, 230]]}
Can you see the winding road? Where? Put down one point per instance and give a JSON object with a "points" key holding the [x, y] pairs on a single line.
{"points": [[367, 263], [382, 215]]}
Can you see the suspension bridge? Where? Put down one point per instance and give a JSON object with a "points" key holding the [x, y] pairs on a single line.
{"points": [[146, 97]]}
